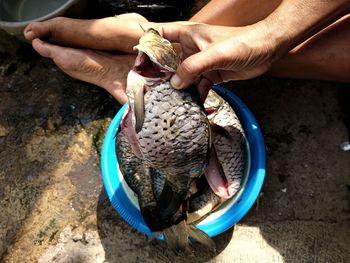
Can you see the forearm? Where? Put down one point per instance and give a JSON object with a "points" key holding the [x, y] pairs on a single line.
{"points": [[296, 20], [235, 12]]}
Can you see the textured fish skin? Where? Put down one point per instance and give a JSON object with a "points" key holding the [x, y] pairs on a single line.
{"points": [[172, 133], [137, 176], [169, 132], [228, 138], [202, 203], [175, 135]]}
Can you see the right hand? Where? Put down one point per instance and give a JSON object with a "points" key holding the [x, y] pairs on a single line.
{"points": [[218, 53]]}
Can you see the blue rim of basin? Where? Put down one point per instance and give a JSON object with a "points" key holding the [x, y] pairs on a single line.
{"points": [[124, 202]]}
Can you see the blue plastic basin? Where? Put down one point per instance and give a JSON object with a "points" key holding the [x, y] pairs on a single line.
{"points": [[125, 201]]}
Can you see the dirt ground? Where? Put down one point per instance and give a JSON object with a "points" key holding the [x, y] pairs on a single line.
{"points": [[54, 208]]}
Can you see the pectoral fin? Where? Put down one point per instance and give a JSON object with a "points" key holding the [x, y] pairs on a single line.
{"points": [[139, 108], [177, 238]]}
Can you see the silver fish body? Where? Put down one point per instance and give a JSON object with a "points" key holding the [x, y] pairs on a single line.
{"points": [[175, 135], [137, 176], [169, 132], [228, 140]]}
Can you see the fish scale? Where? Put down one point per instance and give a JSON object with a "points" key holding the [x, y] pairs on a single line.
{"points": [[174, 131], [135, 172], [229, 144], [169, 132]]}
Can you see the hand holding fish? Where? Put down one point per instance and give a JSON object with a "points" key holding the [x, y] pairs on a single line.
{"points": [[260, 41], [223, 53], [219, 53]]}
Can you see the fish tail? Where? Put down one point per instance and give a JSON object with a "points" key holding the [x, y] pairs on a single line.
{"points": [[177, 237], [201, 237]]}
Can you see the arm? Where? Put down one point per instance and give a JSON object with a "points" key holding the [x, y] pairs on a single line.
{"points": [[235, 12], [296, 20], [236, 53]]}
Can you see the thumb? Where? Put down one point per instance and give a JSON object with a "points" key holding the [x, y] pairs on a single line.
{"points": [[194, 66]]}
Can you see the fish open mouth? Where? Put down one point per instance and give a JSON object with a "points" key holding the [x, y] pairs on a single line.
{"points": [[145, 67]]}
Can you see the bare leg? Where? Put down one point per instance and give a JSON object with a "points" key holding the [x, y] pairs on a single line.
{"points": [[325, 56], [100, 68], [235, 12], [113, 33]]}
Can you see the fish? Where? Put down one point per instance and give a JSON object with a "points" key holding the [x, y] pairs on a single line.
{"points": [[202, 203], [226, 173], [169, 132], [229, 142]]}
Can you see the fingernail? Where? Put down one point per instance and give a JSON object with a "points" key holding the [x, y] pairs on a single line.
{"points": [[176, 82], [29, 34]]}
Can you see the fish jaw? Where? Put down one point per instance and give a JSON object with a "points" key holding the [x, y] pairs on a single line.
{"points": [[148, 67]]}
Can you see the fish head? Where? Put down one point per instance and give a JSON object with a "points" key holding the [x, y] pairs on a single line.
{"points": [[212, 103], [156, 62], [157, 58]]}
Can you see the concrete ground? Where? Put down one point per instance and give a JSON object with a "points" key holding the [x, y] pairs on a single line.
{"points": [[54, 209]]}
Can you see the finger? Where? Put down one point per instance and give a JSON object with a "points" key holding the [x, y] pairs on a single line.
{"points": [[194, 66], [174, 31]]}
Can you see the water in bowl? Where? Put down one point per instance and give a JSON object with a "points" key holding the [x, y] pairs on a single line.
{"points": [[24, 10]]}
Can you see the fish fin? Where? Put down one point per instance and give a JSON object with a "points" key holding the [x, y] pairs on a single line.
{"points": [[196, 219], [201, 237], [149, 215], [177, 237], [144, 30], [169, 201], [139, 108]]}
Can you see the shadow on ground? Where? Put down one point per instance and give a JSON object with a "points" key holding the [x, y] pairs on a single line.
{"points": [[117, 238], [305, 208], [50, 128]]}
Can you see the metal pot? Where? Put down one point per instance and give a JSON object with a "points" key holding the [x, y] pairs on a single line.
{"points": [[16, 15]]}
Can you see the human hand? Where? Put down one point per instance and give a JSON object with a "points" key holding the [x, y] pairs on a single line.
{"points": [[219, 54]]}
